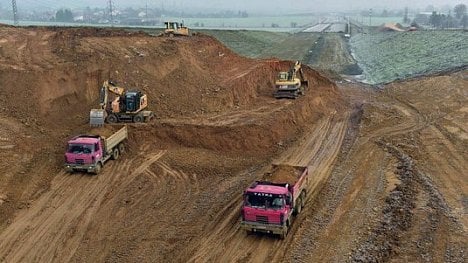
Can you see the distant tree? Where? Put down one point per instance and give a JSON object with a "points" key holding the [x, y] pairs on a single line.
{"points": [[68, 15], [435, 19], [459, 10], [406, 20], [274, 25], [384, 13], [64, 15], [87, 14], [422, 19], [59, 15], [464, 21], [450, 21], [293, 24]]}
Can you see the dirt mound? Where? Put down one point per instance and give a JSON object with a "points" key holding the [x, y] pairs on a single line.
{"points": [[217, 123], [284, 174], [182, 76]]}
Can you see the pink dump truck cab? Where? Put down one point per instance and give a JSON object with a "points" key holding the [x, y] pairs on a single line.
{"points": [[89, 153], [269, 205]]}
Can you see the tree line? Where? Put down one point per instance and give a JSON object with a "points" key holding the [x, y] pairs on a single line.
{"points": [[64, 15], [459, 19]]}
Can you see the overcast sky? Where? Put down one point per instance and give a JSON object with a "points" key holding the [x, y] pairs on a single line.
{"points": [[251, 6]]}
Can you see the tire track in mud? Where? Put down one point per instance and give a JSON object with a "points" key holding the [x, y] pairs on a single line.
{"points": [[232, 118], [450, 166], [225, 241], [414, 208], [348, 184], [54, 225], [146, 210], [315, 241], [415, 201]]}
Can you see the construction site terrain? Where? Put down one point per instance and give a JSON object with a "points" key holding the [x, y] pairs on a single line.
{"points": [[388, 166]]}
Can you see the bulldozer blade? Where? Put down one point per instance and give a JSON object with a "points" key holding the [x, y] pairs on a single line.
{"points": [[97, 117]]}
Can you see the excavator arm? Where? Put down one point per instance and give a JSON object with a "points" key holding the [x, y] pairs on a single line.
{"points": [[97, 116], [109, 86]]}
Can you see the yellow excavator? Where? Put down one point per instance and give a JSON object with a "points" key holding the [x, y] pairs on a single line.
{"points": [[125, 106], [292, 83], [175, 29]]}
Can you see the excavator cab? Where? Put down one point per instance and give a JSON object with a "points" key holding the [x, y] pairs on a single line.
{"points": [[283, 76]]}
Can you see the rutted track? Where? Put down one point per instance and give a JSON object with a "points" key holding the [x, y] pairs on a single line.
{"points": [[54, 225], [225, 242]]}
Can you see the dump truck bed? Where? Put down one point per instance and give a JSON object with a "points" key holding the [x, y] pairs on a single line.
{"points": [[284, 174], [115, 138]]}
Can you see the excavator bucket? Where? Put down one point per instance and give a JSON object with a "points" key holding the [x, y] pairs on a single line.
{"points": [[97, 117]]}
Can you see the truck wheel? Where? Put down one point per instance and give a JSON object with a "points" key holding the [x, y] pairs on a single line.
{"points": [[138, 118], [112, 118], [115, 154], [121, 148], [97, 170], [303, 196], [285, 231], [299, 206], [300, 203]]}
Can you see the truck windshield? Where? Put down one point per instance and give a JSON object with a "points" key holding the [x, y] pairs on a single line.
{"points": [[264, 200], [80, 148]]}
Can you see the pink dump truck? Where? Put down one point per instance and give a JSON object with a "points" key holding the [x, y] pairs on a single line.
{"points": [[89, 153], [270, 204]]}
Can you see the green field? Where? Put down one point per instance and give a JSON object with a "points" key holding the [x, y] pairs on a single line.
{"points": [[261, 44], [377, 21], [328, 52], [260, 22], [388, 56], [248, 43]]}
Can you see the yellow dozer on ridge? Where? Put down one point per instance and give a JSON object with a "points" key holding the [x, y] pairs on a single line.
{"points": [[175, 29]]}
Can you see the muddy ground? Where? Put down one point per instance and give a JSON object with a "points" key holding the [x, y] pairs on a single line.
{"points": [[388, 165]]}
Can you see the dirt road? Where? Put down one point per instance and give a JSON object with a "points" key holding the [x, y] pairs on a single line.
{"points": [[54, 225], [224, 241]]}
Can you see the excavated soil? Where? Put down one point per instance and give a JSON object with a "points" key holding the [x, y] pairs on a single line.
{"points": [[388, 167], [283, 174]]}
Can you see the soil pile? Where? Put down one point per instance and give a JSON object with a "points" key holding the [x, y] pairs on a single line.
{"points": [[284, 174], [216, 116]]}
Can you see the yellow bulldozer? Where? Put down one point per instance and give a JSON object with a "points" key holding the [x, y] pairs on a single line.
{"points": [[175, 29], [292, 83]]}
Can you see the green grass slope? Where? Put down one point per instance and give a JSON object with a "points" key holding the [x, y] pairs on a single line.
{"points": [[389, 56]]}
